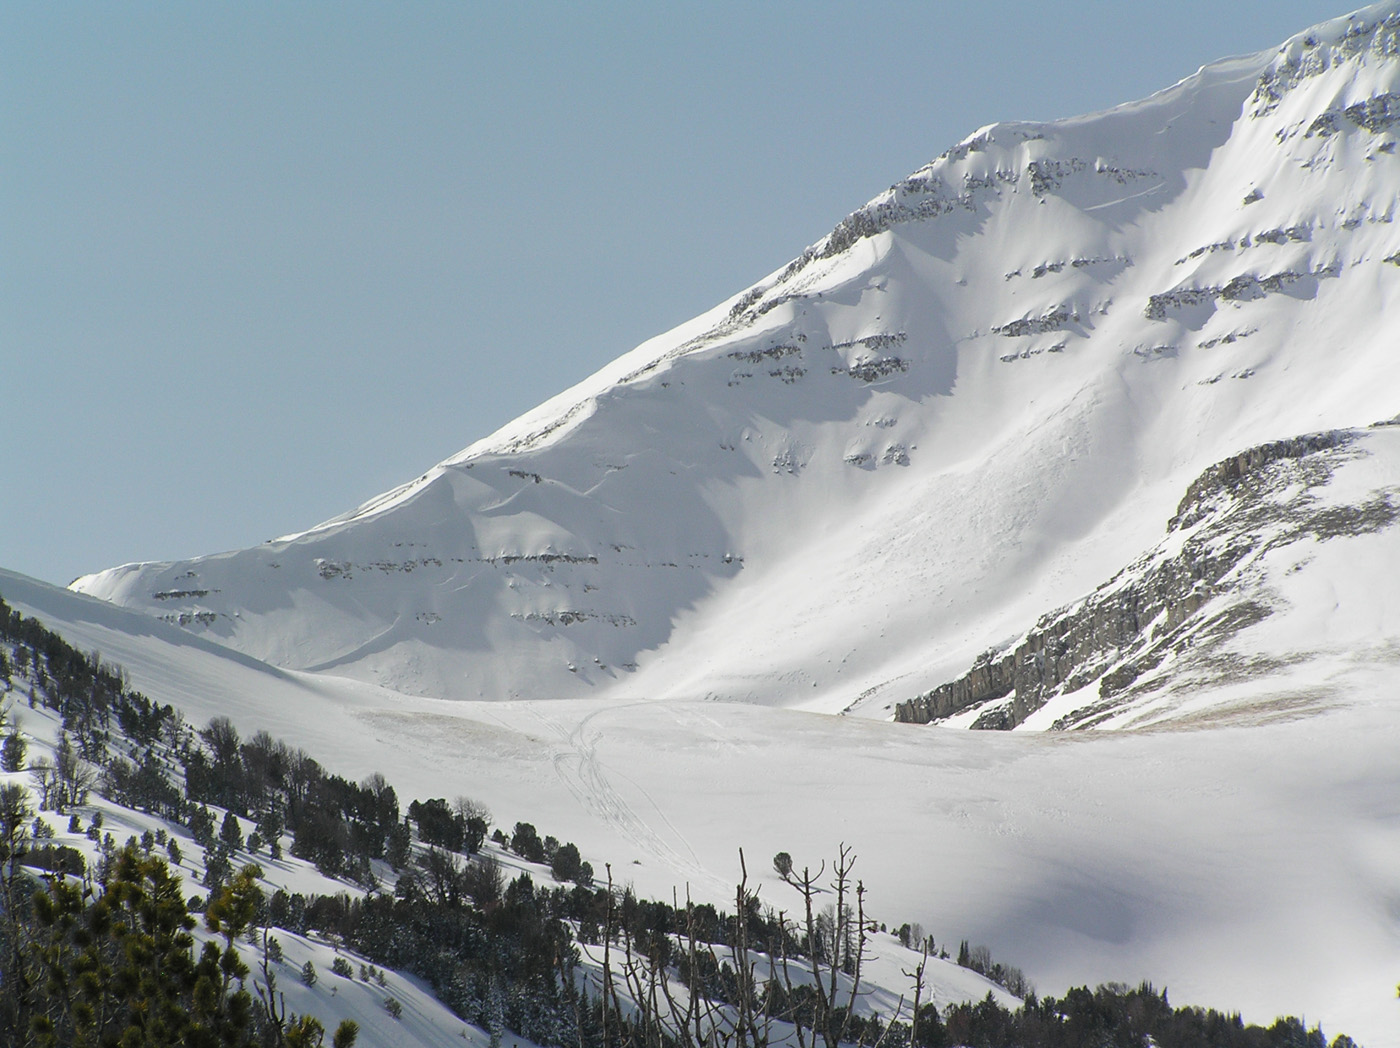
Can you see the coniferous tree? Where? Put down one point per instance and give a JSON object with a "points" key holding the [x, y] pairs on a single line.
{"points": [[566, 862], [121, 968], [13, 750], [230, 833]]}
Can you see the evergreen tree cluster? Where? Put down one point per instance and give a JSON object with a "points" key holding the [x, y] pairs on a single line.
{"points": [[438, 824], [113, 962], [506, 955], [86, 693], [1111, 1016], [338, 825], [979, 960]]}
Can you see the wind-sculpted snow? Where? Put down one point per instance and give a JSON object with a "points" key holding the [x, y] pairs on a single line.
{"points": [[1370, 35], [972, 402]]}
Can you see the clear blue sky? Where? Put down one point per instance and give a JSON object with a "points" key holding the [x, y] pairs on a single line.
{"points": [[259, 262]]}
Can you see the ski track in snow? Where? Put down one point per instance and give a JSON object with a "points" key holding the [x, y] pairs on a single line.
{"points": [[585, 776], [1131, 196]]}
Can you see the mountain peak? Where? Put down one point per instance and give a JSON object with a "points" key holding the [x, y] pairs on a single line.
{"points": [[974, 401]]}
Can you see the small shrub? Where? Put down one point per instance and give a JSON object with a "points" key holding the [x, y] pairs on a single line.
{"points": [[308, 974], [393, 1007], [342, 968]]}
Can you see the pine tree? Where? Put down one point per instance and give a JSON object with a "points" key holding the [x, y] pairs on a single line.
{"points": [[120, 968], [495, 1011], [230, 832], [13, 750]]}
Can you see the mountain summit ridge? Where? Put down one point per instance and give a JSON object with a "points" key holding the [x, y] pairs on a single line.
{"points": [[974, 400]]}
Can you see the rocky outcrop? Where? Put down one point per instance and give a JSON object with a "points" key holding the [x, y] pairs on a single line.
{"points": [[1227, 473], [1315, 56], [1375, 115], [1243, 288], [874, 370], [1240, 507], [1055, 320]]}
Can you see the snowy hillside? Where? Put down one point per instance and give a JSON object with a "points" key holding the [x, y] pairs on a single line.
{"points": [[978, 398], [139, 790], [1251, 866]]}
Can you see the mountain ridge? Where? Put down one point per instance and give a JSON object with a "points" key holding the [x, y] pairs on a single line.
{"points": [[948, 415], [1153, 611]]}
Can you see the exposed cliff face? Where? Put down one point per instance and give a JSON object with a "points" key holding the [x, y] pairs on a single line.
{"points": [[1186, 595]]}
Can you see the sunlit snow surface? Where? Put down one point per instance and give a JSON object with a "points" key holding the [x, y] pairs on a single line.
{"points": [[981, 397], [859, 474]]}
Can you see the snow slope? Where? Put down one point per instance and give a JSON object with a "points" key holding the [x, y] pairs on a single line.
{"points": [[390, 1007], [1248, 864], [975, 400]]}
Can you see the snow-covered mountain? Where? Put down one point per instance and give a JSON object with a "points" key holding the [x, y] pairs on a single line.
{"points": [[982, 396], [1082, 424]]}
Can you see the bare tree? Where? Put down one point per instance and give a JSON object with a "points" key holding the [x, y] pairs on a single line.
{"points": [[468, 808], [763, 981], [442, 876], [837, 943], [73, 777], [44, 774], [693, 1020], [222, 739], [274, 1003], [918, 976]]}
